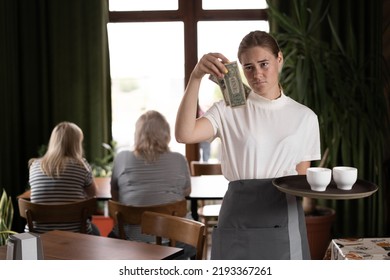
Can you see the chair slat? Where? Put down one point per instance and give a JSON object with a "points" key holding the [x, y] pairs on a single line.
{"points": [[57, 213], [175, 229], [130, 214]]}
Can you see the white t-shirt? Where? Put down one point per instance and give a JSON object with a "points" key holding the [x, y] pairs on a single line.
{"points": [[265, 138]]}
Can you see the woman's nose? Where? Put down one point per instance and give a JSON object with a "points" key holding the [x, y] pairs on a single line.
{"points": [[257, 72]]}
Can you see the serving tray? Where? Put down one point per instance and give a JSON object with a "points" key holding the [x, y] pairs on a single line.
{"points": [[297, 185]]}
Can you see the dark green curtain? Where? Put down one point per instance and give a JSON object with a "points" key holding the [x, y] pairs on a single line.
{"points": [[359, 25], [54, 66]]}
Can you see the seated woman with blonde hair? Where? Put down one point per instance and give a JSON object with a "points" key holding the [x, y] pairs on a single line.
{"points": [[151, 174], [62, 175]]}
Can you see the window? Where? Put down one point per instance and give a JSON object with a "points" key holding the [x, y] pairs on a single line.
{"points": [[153, 50], [147, 73]]}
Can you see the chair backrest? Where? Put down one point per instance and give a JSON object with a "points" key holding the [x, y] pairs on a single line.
{"points": [[175, 229], [73, 212], [204, 168], [130, 214]]}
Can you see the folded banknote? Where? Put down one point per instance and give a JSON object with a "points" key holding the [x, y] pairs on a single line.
{"points": [[234, 91]]}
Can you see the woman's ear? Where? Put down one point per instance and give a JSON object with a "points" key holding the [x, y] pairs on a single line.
{"points": [[280, 61]]}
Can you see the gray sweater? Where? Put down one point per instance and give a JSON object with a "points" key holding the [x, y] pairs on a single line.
{"points": [[140, 183]]}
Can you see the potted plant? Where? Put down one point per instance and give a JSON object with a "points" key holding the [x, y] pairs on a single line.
{"points": [[102, 169], [328, 77], [6, 217]]}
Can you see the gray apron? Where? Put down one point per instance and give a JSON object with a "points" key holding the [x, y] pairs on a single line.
{"points": [[259, 222]]}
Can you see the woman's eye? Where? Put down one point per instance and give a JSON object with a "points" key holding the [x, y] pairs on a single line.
{"points": [[264, 65], [248, 68]]}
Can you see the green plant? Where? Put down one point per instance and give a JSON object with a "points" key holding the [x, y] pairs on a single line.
{"points": [[6, 217], [338, 83], [102, 167]]}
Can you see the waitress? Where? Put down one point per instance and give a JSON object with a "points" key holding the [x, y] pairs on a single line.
{"points": [[271, 136]]}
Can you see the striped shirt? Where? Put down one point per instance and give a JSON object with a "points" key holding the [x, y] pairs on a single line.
{"points": [[68, 187]]}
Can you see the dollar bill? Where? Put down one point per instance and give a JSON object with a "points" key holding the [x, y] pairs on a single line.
{"points": [[237, 86], [222, 86], [234, 85], [247, 90]]}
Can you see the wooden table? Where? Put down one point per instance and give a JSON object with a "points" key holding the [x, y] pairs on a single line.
{"points": [[65, 245], [206, 187], [359, 249]]}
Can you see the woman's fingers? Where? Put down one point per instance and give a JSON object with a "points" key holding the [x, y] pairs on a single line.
{"points": [[212, 63]]}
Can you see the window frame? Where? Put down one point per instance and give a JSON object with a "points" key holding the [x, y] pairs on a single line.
{"points": [[190, 12]]}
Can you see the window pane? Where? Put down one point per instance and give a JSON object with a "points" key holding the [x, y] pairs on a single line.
{"points": [[144, 5], [211, 40], [147, 73], [233, 4]]}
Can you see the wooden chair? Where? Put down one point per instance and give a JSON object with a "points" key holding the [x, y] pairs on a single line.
{"points": [[208, 214], [73, 212], [129, 214], [204, 168], [175, 229]]}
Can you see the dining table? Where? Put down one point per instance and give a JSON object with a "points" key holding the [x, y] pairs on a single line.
{"points": [[359, 249], [206, 187], [66, 245]]}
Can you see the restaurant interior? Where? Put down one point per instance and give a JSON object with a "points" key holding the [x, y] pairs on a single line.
{"points": [[55, 66]]}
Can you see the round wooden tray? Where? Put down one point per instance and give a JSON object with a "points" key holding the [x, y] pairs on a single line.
{"points": [[297, 185]]}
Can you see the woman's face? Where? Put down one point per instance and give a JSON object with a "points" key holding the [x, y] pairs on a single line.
{"points": [[261, 69]]}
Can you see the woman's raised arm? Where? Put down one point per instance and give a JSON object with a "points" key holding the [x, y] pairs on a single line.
{"points": [[188, 129]]}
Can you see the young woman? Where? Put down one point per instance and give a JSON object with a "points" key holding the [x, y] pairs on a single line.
{"points": [[271, 136], [62, 175]]}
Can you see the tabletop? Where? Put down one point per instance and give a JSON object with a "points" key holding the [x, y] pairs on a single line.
{"points": [[360, 249], [208, 187], [65, 245], [203, 187]]}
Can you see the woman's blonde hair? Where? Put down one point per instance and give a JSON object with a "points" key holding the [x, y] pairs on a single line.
{"points": [[65, 144], [152, 136]]}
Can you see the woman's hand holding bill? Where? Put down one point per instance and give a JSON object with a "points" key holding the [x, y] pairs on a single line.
{"points": [[211, 63]]}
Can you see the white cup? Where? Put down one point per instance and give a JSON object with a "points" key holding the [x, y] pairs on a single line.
{"points": [[318, 178], [344, 177]]}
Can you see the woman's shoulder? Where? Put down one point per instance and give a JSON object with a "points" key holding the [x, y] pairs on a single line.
{"points": [[34, 165], [78, 164], [85, 161], [293, 104], [125, 158], [34, 161], [216, 111], [124, 154], [175, 155], [173, 158], [220, 105]]}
